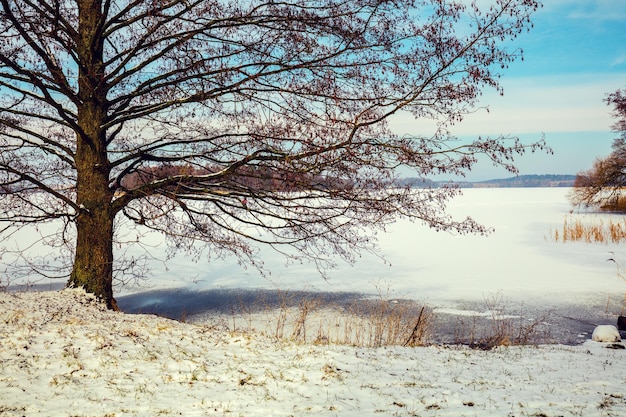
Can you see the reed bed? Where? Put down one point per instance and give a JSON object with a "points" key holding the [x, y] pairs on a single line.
{"points": [[597, 231]]}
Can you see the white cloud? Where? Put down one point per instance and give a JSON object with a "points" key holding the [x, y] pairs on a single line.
{"points": [[530, 105]]}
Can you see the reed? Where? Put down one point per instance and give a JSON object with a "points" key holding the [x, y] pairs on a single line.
{"points": [[598, 231]]}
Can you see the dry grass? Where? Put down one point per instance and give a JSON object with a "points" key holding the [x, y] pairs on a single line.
{"points": [[617, 204], [500, 328], [597, 231], [371, 322]]}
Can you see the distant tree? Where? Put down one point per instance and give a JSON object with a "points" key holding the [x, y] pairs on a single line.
{"points": [[602, 186], [227, 124]]}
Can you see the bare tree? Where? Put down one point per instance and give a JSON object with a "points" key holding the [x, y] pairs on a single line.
{"points": [[602, 186], [227, 124]]}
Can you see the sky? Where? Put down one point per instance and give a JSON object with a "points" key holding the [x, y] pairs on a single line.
{"points": [[573, 57]]}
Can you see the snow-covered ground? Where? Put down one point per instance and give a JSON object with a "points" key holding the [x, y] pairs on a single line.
{"points": [[62, 354]]}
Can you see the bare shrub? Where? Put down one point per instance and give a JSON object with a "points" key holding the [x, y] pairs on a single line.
{"points": [[385, 322], [299, 329]]}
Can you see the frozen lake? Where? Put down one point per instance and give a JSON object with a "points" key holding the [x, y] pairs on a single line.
{"points": [[520, 259]]}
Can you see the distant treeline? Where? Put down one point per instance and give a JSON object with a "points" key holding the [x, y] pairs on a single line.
{"points": [[246, 177], [519, 181]]}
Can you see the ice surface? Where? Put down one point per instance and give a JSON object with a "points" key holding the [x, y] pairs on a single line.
{"points": [[520, 259]]}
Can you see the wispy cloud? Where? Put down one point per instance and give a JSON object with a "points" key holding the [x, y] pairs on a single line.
{"points": [[587, 9], [575, 56], [619, 60], [600, 10]]}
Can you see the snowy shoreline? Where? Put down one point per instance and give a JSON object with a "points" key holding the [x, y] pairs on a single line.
{"points": [[566, 321], [62, 354]]}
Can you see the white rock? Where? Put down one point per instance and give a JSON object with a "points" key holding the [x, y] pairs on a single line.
{"points": [[606, 333]]}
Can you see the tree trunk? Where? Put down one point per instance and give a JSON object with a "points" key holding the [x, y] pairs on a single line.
{"points": [[93, 263]]}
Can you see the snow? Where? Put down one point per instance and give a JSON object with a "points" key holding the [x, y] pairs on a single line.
{"points": [[458, 276], [606, 333], [63, 354]]}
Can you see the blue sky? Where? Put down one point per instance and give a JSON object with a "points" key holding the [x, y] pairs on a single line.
{"points": [[573, 57]]}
